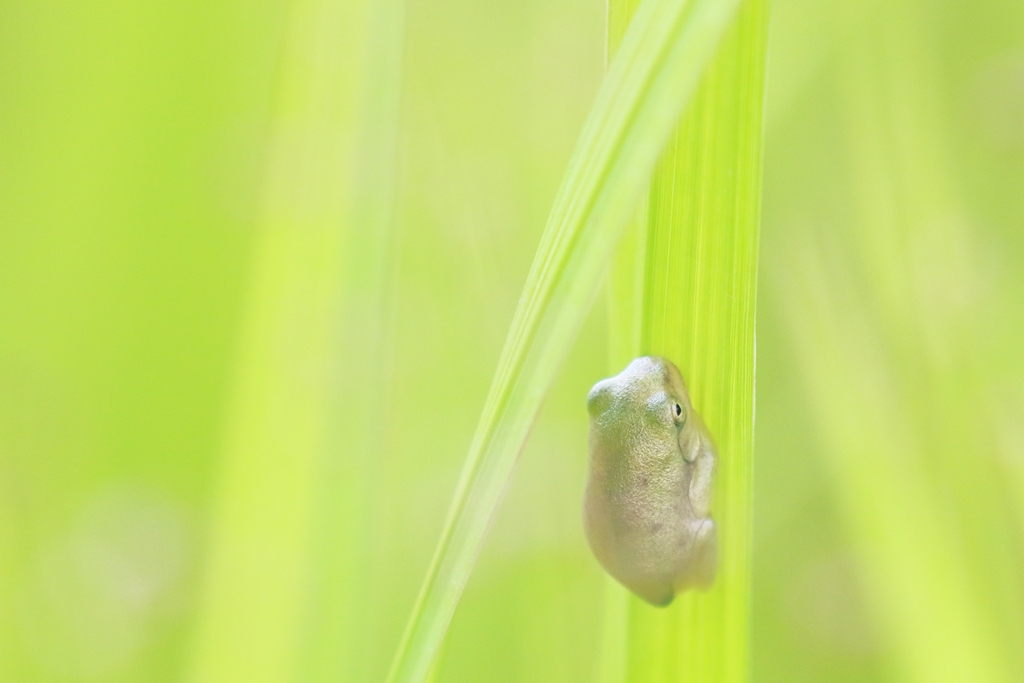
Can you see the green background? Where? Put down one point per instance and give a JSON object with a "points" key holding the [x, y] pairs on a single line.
{"points": [[135, 142]]}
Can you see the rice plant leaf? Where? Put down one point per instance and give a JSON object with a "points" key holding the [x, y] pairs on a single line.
{"points": [[655, 71], [684, 286]]}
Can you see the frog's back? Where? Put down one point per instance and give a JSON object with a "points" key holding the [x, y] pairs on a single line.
{"points": [[642, 531], [638, 514]]}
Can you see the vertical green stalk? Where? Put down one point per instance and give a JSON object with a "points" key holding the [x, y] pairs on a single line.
{"points": [[348, 490], [320, 247], [684, 287]]}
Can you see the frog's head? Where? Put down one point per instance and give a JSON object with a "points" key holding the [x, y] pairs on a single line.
{"points": [[650, 391]]}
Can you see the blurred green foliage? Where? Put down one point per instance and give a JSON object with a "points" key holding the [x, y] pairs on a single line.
{"points": [[136, 152]]}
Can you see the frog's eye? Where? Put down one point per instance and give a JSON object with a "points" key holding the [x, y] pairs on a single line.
{"points": [[678, 416]]}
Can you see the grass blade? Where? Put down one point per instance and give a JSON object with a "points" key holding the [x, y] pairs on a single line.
{"points": [[684, 287], [655, 71], [320, 252]]}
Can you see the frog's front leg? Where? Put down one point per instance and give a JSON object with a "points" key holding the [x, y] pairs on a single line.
{"points": [[702, 482], [702, 561]]}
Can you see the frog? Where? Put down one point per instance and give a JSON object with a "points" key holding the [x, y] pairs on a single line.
{"points": [[646, 506]]}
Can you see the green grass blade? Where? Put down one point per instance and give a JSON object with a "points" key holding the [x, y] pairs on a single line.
{"points": [[684, 287], [321, 245], [655, 71], [349, 489]]}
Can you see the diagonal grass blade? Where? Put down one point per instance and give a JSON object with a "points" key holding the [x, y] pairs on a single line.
{"points": [[653, 75]]}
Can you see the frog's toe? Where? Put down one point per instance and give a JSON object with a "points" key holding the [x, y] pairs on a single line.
{"points": [[659, 595]]}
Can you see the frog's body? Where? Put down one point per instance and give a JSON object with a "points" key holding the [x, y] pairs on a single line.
{"points": [[646, 508]]}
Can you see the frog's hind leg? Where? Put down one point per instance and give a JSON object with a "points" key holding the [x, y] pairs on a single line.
{"points": [[659, 594]]}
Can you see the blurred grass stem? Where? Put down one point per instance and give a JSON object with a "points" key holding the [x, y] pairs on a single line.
{"points": [[294, 477]]}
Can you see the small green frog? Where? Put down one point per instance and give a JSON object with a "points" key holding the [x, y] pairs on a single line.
{"points": [[646, 507]]}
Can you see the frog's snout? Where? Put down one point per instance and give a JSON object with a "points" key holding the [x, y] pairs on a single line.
{"points": [[599, 398]]}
